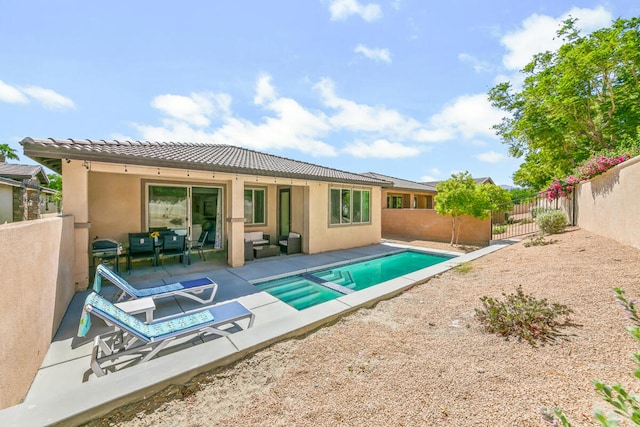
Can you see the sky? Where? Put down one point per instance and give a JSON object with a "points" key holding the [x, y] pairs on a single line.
{"points": [[396, 87]]}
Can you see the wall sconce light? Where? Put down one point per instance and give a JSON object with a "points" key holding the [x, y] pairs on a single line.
{"points": [[188, 172], [87, 165], [67, 160], [125, 169], [158, 171]]}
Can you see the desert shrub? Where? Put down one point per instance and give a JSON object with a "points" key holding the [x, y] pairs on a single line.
{"points": [[463, 268], [552, 221], [499, 229], [537, 211], [522, 316], [538, 241]]}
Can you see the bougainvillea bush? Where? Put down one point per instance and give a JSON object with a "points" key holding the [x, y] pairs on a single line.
{"points": [[594, 166]]}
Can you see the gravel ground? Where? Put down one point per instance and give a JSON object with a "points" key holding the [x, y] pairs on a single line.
{"points": [[421, 359]]}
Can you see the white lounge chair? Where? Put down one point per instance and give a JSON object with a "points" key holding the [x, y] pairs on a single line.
{"points": [[189, 288], [134, 337]]}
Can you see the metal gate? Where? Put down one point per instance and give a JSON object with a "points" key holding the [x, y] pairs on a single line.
{"points": [[519, 218]]}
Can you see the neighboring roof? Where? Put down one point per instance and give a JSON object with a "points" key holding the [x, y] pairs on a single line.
{"points": [[401, 183], [194, 156], [14, 183], [485, 180], [20, 172]]}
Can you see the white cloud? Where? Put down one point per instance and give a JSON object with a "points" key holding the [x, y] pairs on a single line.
{"points": [[46, 97], [49, 98], [374, 54], [478, 65], [365, 118], [428, 178], [11, 94], [491, 157], [469, 116], [380, 148], [435, 171], [378, 131], [196, 109], [289, 126], [342, 9], [538, 34], [264, 90]]}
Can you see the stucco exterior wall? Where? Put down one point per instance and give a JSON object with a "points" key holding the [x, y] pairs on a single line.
{"points": [[324, 237], [608, 204], [37, 286], [427, 224]]}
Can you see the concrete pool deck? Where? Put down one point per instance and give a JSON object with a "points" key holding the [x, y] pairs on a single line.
{"points": [[65, 391]]}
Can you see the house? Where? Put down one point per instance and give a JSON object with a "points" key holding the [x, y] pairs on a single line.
{"points": [[21, 195], [408, 213], [404, 194], [113, 188]]}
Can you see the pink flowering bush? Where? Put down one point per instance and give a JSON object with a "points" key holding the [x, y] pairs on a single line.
{"points": [[595, 166]]}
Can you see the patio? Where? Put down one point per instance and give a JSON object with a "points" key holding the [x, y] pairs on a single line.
{"points": [[80, 396]]}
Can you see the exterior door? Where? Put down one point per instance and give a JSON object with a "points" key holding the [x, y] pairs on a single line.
{"points": [[284, 213]]}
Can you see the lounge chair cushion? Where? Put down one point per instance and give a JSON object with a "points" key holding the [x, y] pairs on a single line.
{"points": [[152, 330], [183, 288]]}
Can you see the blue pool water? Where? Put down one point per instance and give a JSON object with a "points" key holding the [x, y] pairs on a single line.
{"points": [[305, 290]]}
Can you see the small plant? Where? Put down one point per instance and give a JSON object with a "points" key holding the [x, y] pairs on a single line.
{"points": [[552, 221], [463, 268], [538, 240], [499, 229], [522, 316]]}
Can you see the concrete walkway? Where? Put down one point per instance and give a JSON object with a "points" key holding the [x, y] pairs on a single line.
{"points": [[66, 392]]}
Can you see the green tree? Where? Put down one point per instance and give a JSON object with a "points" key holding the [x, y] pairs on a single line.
{"points": [[577, 101], [458, 196], [8, 152], [55, 183]]}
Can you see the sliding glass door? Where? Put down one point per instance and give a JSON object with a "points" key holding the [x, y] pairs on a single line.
{"points": [[187, 210]]}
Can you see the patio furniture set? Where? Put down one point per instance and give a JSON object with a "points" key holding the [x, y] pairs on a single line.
{"points": [[130, 336], [258, 245], [142, 246]]}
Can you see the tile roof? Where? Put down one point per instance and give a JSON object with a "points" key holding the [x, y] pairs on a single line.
{"points": [[14, 183], [194, 156], [17, 171], [402, 183]]}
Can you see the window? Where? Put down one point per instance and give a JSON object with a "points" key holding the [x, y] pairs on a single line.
{"points": [[394, 202], [348, 206], [254, 206]]}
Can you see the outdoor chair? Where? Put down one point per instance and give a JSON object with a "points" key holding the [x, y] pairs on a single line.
{"points": [[141, 246], [134, 337], [192, 289], [175, 246], [199, 244], [291, 244]]}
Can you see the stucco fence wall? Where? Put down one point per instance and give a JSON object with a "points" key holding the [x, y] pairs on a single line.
{"points": [[36, 281], [427, 224], [609, 204]]}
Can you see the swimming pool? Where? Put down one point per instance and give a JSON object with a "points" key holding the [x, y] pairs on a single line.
{"points": [[308, 289]]}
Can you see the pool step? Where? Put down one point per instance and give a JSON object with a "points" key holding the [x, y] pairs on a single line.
{"points": [[294, 292]]}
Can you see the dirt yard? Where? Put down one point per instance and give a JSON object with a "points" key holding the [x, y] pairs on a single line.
{"points": [[422, 359]]}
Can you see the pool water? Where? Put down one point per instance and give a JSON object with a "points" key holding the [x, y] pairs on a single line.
{"points": [[306, 290]]}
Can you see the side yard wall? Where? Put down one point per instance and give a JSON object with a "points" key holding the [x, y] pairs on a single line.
{"points": [[426, 224], [36, 282], [608, 204]]}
